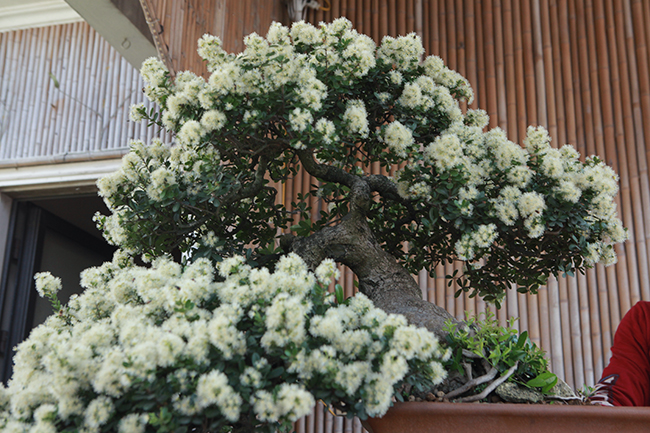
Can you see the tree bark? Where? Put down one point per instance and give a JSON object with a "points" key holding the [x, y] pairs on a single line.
{"points": [[353, 244], [381, 278]]}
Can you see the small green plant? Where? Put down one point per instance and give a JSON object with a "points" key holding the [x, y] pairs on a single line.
{"points": [[486, 347]]}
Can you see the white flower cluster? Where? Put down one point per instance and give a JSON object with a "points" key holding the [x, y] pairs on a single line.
{"points": [[398, 138], [436, 69], [372, 367], [481, 238], [159, 170], [404, 52], [178, 330], [47, 285], [289, 74], [356, 118], [504, 172]]}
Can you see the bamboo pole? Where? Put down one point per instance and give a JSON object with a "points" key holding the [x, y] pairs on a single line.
{"points": [[529, 62], [585, 333], [434, 38], [575, 127], [70, 106], [98, 91], [634, 140], [410, 17], [392, 18], [621, 301], [27, 92], [556, 349], [599, 328], [450, 34], [400, 18], [634, 16], [36, 108], [537, 314], [596, 323], [383, 20], [441, 20], [471, 65], [626, 283], [630, 190], [418, 18], [60, 99], [581, 346], [608, 299], [24, 90], [90, 90], [538, 62], [6, 149], [641, 17]]}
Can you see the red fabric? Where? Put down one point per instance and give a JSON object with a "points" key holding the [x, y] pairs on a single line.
{"points": [[630, 361]]}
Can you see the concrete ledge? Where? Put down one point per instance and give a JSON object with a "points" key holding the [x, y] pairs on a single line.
{"points": [[18, 15], [55, 179]]}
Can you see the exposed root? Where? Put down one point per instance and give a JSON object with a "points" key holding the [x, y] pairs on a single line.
{"points": [[472, 355], [472, 383], [491, 387], [488, 377], [468, 370]]}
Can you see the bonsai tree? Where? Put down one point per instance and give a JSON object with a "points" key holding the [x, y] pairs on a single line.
{"points": [[330, 101], [173, 346]]}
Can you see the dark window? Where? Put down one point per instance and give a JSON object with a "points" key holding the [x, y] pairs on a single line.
{"points": [[55, 235]]}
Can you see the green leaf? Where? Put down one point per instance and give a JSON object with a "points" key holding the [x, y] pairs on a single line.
{"points": [[545, 381], [522, 340], [56, 82], [339, 294], [276, 372]]}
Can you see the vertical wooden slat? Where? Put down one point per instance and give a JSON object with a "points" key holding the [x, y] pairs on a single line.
{"points": [[624, 280], [638, 27], [633, 126], [621, 99]]}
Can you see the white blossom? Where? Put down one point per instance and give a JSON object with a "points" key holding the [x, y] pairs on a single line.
{"points": [[47, 285], [398, 138]]}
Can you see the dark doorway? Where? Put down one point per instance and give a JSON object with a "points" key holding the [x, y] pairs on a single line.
{"points": [[55, 235]]}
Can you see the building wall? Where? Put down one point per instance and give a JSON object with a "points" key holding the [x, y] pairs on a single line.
{"points": [[64, 91]]}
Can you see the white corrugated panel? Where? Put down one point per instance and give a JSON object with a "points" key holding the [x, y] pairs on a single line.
{"points": [[87, 113]]}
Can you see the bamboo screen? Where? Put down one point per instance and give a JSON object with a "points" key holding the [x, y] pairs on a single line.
{"points": [[577, 67], [87, 113]]}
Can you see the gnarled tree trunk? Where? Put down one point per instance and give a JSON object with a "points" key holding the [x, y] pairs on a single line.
{"points": [[381, 278]]}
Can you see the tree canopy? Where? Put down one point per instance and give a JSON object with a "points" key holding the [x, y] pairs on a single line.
{"points": [[328, 99]]}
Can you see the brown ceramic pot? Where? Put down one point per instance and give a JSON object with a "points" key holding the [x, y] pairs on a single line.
{"points": [[425, 417]]}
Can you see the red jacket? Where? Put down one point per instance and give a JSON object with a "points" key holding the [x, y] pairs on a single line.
{"points": [[627, 377]]}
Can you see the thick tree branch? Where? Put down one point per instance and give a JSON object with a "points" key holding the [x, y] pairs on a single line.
{"points": [[324, 172], [352, 243], [385, 187], [359, 188]]}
